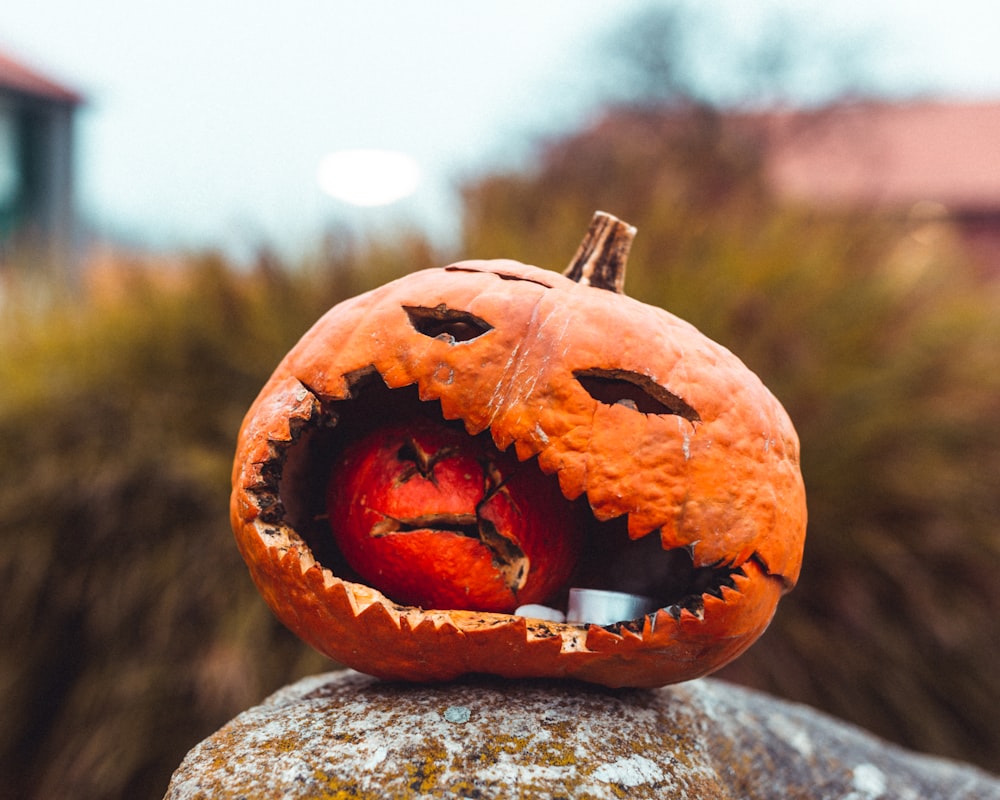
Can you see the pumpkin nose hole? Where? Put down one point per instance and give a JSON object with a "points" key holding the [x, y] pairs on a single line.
{"points": [[633, 390], [445, 323]]}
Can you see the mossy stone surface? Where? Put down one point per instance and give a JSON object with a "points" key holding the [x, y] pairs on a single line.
{"points": [[347, 735]]}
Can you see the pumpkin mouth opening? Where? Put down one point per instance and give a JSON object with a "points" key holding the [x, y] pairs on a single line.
{"points": [[292, 496]]}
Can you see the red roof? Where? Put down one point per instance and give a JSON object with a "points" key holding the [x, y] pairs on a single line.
{"points": [[16, 77], [888, 154]]}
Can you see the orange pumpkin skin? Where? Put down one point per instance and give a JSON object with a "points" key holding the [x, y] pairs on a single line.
{"points": [[715, 475]]}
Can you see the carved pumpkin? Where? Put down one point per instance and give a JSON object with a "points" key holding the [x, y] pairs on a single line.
{"points": [[677, 473]]}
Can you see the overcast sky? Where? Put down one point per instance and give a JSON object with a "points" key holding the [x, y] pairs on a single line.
{"points": [[206, 120]]}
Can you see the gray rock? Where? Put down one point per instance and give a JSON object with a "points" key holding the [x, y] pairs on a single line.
{"points": [[346, 735]]}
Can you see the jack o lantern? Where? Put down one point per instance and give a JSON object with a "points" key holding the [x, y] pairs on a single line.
{"points": [[438, 456]]}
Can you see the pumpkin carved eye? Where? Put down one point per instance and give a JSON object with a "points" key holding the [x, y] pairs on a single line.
{"points": [[445, 323], [634, 390]]}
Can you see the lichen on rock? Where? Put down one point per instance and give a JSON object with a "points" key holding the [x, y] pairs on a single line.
{"points": [[347, 735]]}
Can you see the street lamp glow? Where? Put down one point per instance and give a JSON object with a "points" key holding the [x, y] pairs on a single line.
{"points": [[368, 177]]}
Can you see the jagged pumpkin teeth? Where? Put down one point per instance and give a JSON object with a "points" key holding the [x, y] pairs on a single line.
{"points": [[444, 452]]}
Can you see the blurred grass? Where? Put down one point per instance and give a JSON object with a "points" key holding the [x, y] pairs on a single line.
{"points": [[130, 629]]}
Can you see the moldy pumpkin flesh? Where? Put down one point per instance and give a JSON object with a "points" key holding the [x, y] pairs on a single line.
{"points": [[679, 469]]}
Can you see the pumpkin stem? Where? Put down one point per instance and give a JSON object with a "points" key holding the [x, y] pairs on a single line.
{"points": [[600, 259]]}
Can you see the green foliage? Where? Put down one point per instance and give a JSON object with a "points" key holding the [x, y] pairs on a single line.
{"points": [[884, 348], [129, 628]]}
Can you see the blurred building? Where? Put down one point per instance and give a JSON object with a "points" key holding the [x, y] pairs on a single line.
{"points": [[934, 164], [37, 213], [931, 161]]}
